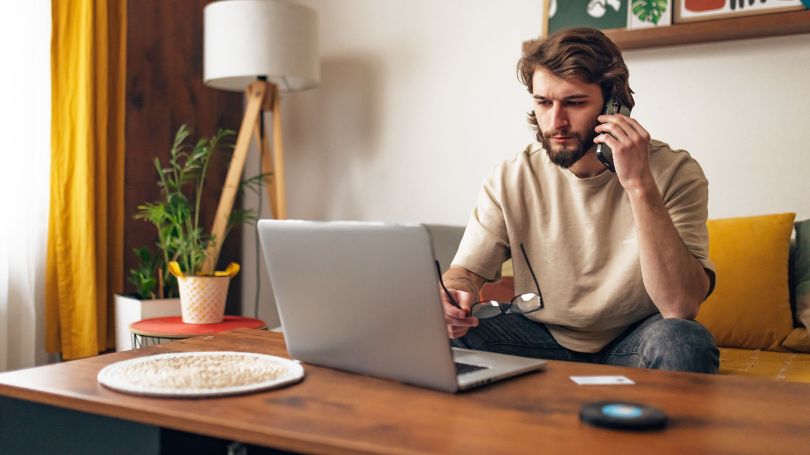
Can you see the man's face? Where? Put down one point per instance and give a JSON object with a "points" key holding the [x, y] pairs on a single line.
{"points": [[566, 111]]}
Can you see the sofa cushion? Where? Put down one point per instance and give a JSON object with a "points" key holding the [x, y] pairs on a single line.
{"points": [[782, 366], [445, 239], [506, 269], [797, 340], [750, 305], [502, 290]]}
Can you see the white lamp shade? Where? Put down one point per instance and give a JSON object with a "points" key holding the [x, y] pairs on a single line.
{"points": [[245, 39]]}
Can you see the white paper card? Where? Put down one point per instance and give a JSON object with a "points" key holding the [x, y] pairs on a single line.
{"points": [[601, 380]]}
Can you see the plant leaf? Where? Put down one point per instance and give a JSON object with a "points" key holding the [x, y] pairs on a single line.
{"points": [[649, 10]]}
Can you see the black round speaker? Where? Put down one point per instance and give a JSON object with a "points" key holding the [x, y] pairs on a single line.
{"points": [[622, 415]]}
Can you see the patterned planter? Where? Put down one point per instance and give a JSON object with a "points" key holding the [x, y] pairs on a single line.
{"points": [[202, 298]]}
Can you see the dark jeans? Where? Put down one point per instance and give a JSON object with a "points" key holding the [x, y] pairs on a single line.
{"points": [[655, 342]]}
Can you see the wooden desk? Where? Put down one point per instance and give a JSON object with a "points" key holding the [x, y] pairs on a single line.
{"points": [[335, 412]]}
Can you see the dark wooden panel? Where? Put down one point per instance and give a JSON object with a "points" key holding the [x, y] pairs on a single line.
{"points": [[164, 90]]}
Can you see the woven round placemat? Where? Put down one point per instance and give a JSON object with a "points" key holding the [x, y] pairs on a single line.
{"points": [[200, 374]]}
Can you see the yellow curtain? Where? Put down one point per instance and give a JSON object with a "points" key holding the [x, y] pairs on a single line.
{"points": [[86, 223]]}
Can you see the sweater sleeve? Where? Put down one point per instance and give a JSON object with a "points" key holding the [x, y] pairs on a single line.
{"points": [[686, 198], [485, 246]]}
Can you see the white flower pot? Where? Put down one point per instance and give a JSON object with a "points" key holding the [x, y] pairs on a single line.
{"points": [[130, 309]]}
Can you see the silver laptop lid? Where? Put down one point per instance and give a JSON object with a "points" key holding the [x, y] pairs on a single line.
{"points": [[361, 297]]}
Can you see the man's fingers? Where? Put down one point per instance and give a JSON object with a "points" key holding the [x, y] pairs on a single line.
{"points": [[643, 133], [460, 322], [620, 126], [457, 328], [454, 312], [464, 300], [614, 129], [456, 332]]}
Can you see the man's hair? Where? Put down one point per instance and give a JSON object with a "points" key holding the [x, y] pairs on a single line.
{"points": [[582, 53]]}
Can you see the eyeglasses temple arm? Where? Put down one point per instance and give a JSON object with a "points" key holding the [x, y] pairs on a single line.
{"points": [[534, 277], [441, 282]]}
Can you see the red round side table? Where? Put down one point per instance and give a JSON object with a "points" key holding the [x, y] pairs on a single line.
{"points": [[173, 328]]}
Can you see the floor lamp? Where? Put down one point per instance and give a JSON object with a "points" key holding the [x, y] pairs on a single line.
{"points": [[261, 47]]}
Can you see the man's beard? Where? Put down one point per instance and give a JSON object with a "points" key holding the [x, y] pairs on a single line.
{"points": [[567, 155]]}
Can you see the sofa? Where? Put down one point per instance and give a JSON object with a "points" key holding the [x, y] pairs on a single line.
{"points": [[760, 308]]}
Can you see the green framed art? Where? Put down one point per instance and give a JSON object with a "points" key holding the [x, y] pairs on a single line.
{"points": [[607, 14]]}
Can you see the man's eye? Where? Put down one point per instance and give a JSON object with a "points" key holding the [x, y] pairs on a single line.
{"points": [[543, 103], [575, 103]]}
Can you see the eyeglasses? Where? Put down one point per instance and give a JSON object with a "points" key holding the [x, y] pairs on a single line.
{"points": [[520, 304]]}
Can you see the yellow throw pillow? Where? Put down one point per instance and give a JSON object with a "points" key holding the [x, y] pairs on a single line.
{"points": [[750, 306], [506, 269], [798, 340]]}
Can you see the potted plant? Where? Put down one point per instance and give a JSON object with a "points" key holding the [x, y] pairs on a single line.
{"points": [[153, 297], [176, 217]]}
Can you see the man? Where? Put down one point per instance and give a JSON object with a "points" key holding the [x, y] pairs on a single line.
{"points": [[614, 265]]}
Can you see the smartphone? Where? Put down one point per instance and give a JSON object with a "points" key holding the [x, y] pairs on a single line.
{"points": [[603, 151]]}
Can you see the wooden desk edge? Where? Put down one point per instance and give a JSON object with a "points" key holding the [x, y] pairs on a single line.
{"points": [[201, 425], [260, 432], [263, 435]]}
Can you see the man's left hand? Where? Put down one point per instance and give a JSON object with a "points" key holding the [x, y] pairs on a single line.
{"points": [[630, 144]]}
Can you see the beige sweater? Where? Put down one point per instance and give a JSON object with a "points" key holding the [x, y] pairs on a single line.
{"points": [[580, 238]]}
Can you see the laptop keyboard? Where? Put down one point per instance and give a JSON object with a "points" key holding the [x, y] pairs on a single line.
{"points": [[463, 368]]}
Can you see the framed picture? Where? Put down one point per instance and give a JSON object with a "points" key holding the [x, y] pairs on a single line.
{"points": [[607, 14], [699, 10], [649, 13], [601, 14]]}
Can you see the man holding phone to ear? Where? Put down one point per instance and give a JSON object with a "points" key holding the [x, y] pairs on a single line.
{"points": [[608, 267]]}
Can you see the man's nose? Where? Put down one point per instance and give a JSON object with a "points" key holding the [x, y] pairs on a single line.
{"points": [[559, 118]]}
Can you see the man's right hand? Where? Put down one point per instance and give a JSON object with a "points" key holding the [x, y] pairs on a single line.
{"points": [[456, 319]]}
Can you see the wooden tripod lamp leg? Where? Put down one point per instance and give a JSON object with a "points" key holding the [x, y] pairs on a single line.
{"points": [[278, 159], [267, 168], [255, 94]]}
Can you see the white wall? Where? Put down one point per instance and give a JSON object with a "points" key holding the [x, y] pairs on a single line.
{"points": [[419, 99], [742, 108]]}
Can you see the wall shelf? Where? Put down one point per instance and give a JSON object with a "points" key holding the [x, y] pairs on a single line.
{"points": [[756, 26]]}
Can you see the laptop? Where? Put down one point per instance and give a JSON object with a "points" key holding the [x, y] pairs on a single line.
{"points": [[364, 298]]}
